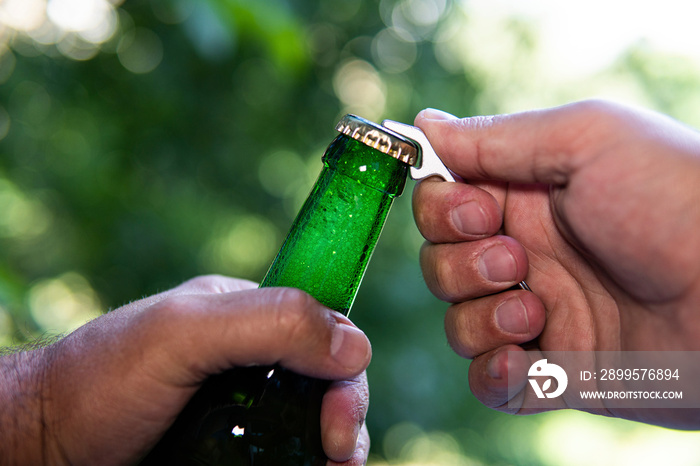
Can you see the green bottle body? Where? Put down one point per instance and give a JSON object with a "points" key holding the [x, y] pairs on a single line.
{"points": [[269, 415]]}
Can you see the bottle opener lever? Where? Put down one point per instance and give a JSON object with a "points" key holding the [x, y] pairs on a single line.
{"points": [[429, 163]]}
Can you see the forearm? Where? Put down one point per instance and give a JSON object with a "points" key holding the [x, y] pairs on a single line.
{"points": [[22, 426]]}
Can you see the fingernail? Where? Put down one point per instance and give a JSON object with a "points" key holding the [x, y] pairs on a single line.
{"points": [[470, 218], [497, 264], [511, 316], [349, 346], [493, 367], [435, 114]]}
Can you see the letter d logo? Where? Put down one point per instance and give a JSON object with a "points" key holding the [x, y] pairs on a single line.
{"points": [[543, 369]]}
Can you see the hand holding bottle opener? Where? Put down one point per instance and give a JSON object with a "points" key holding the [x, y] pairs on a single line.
{"points": [[429, 163]]}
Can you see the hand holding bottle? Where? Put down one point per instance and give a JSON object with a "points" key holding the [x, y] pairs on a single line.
{"points": [[107, 392], [595, 205]]}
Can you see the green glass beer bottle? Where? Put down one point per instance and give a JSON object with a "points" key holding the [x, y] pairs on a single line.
{"points": [[270, 415]]}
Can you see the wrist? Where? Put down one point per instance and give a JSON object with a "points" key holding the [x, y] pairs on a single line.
{"points": [[23, 433]]}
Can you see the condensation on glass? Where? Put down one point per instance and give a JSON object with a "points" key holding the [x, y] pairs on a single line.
{"points": [[269, 415]]}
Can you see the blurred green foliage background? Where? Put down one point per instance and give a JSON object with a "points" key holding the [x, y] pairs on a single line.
{"points": [[146, 142]]}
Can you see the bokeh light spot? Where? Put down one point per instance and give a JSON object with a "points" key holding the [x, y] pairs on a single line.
{"points": [[241, 247], [280, 171], [393, 53], [22, 15], [140, 51], [360, 88], [5, 326], [424, 13], [20, 215], [4, 122], [63, 303], [94, 20], [411, 446], [617, 441], [7, 63]]}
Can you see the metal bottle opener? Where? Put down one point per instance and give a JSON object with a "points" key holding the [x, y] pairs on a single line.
{"points": [[429, 163]]}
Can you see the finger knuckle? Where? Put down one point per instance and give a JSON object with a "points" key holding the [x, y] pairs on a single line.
{"points": [[599, 117], [594, 105], [360, 391], [458, 329], [293, 311], [171, 310], [421, 207], [479, 122], [207, 283], [440, 276], [429, 207]]}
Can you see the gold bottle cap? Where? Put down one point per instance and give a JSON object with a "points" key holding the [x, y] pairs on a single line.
{"points": [[378, 137]]}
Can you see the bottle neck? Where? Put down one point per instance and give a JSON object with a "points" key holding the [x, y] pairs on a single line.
{"points": [[366, 165], [331, 241]]}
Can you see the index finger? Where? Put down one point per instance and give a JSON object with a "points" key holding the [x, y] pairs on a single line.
{"points": [[454, 212]]}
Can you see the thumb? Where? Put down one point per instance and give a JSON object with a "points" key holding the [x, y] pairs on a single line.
{"points": [[260, 326], [541, 146]]}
